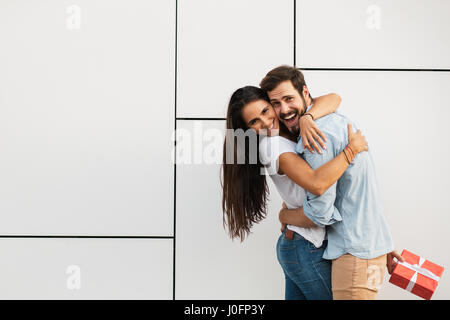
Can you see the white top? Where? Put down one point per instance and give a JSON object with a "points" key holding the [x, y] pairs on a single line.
{"points": [[270, 149]]}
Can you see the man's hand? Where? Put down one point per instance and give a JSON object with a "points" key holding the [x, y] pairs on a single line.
{"points": [[310, 133], [294, 217], [391, 263]]}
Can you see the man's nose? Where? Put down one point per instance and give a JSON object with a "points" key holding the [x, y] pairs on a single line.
{"points": [[284, 108]]}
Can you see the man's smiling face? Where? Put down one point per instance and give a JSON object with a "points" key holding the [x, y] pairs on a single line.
{"points": [[288, 104]]}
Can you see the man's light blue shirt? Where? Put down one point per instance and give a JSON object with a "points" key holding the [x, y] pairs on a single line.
{"points": [[351, 208]]}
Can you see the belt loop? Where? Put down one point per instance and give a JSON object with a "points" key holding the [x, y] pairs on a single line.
{"points": [[289, 234]]}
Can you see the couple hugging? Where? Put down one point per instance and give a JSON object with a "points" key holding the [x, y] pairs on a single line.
{"points": [[335, 243]]}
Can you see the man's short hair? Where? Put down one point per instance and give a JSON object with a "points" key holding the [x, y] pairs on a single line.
{"points": [[282, 73]]}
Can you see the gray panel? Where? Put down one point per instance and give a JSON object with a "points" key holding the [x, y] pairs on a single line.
{"points": [[399, 34], [227, 44], [86, 269], [209, 265], [86, 117]]}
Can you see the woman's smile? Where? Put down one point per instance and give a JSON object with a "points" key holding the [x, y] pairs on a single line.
{"points": [[260, 115]]}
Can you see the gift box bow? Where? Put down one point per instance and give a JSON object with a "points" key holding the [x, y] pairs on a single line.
{"points": [[416, 275], [418, 269]]}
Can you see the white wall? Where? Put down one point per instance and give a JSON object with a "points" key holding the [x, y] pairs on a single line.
{"points": [[87, 117]]}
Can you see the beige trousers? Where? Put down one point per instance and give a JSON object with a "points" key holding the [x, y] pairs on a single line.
{"points": [[353, 278]]}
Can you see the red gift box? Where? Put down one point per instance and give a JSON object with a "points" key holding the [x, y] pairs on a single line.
{"points": [[416, 275]]}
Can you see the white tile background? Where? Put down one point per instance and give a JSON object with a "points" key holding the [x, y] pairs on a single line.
{"points": [[108, 268], [224, 45], [86, 123], [79, 154], [400, 34]]}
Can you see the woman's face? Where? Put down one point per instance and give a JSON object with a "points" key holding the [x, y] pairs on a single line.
{"points": [[260, 115]]}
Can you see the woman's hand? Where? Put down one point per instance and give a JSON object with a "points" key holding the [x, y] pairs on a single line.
{"points": [[356, 141], [310, 133], [283, 225]]}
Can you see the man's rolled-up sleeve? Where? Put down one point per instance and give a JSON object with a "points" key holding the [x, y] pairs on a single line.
{"points": [[321, 209]]}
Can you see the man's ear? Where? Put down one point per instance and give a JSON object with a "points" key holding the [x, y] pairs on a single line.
{"points": [[305, 92]]}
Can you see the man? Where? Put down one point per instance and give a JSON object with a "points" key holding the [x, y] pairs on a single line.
{"points": [[359, 243]]}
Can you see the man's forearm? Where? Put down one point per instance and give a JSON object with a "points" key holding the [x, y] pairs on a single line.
{"points": [[295, 217]]}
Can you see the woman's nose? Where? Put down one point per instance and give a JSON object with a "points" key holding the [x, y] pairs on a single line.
{"points": [[266, 122]]}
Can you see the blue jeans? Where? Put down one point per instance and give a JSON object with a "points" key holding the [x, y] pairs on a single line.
{"points": [[307, 274]]}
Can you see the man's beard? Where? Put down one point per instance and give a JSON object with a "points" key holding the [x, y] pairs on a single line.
{"points": [[295, 130]]}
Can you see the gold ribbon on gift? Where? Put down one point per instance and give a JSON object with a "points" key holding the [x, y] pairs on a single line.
{"points": [[417, 268]]}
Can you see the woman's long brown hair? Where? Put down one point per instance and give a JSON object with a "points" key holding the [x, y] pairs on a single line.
{"points": [[245, 189]]}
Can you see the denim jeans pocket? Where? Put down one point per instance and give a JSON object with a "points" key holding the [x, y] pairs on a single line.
{"points": [[287, 255]]}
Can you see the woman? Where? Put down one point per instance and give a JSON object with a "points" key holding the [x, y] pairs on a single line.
{"points": [[245, 189]]}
